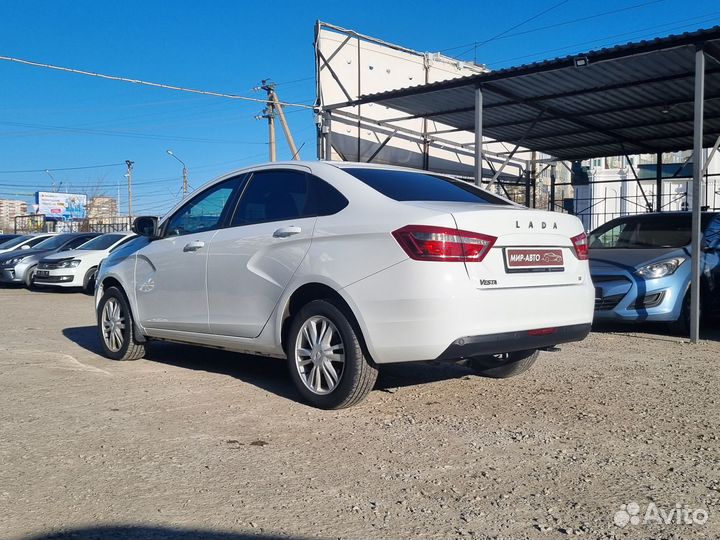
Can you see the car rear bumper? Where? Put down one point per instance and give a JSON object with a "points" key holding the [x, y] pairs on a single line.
{"points": [[413, 312], [471, 346]]}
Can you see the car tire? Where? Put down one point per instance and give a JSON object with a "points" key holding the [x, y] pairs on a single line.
{"points": [[681, 326], [116, 327], [30, 277], [325, 357], [502, 366], [89, 281]]}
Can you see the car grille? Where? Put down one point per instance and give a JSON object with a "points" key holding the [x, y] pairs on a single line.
{"points": [[48, 266], [606, 303], [606, 278]]}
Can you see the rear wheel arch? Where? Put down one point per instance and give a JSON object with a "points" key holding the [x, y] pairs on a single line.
{"points": [[318, 291]]}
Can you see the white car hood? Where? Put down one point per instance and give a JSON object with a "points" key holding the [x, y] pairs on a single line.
{"points": [[76, 254]]}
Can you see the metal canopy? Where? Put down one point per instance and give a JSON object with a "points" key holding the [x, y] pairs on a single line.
{"points": [[648, 97], [630, 99]]}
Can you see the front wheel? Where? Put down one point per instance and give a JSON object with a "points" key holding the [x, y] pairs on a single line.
{"points": [[325, 357], [502, 366], [30, 277], [116, 327], [89, 281]]}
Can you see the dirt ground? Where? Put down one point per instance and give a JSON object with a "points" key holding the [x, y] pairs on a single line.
{"points": [[196, 443]]}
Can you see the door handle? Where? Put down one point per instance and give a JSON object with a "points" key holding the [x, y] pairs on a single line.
{"points": [[284, 232], [194, 246]]}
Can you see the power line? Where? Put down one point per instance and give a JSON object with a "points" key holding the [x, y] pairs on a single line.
{"points": [[63, 168], [562, 23], [496, 36], [143, 83], [115, 133], [637, 34]]}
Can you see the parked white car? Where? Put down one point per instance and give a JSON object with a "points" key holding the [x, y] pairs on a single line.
{"points": [[341, 267], [27, 241], [77, 268]]}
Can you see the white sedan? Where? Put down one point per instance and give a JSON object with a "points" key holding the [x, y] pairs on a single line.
{"points": [[77, 267], [341, 267]]}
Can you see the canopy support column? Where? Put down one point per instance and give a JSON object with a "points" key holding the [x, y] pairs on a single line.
{"points": [[658, 182], [697, 194], [478, 135]]}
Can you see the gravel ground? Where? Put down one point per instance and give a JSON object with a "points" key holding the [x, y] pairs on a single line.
{"points": [[196, 443]]}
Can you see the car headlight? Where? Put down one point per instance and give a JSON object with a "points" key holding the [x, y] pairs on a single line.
{"points": [[661, 268], [73, 263], [14, 261]]}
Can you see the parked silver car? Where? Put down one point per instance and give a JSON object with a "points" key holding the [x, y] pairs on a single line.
{"points": [[19, 266]]}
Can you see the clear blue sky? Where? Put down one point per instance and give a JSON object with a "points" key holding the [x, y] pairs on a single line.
{"points": [[54, 120]]}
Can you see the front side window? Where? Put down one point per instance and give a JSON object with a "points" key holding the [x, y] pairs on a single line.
{"points": [[204, 212]]}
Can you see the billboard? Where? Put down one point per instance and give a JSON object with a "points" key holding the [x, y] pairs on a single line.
{"points": [[61, 206]]}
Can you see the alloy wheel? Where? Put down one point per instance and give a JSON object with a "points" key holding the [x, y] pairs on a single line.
{"points": [[319, 355], [113, 325]]}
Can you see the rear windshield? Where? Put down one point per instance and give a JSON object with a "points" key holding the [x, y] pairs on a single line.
{"points": [[102, 242], [646, 232], [418, 186]]}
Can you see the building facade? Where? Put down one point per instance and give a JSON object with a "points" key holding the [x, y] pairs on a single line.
{"points": [[101, 208], [9, 209]]}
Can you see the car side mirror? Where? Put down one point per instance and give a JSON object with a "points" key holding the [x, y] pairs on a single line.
{"points": [[146, 226], [25, 247]]}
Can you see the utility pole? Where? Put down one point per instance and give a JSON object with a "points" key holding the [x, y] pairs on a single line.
{"points": [[269, 113], [185, 183], [129, 180], [273, 109]]}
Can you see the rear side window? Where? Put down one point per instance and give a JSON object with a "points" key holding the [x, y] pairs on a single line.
{"points": [[418, 186], [282, 195]]}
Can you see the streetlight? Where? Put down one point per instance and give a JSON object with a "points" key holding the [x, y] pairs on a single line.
{"points": [[184, 172], [54, 182]]}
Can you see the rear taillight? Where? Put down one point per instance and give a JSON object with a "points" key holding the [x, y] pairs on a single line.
{"points": [[580, 244], [427, 243]]}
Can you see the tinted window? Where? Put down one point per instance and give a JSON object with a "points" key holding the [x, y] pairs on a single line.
{"points": [[323, 199], [14, 242], [417, 186], [671, 230], [53, 242], [204, 212], [712, 232], [77, 242], [102, 242], [282, 195]]}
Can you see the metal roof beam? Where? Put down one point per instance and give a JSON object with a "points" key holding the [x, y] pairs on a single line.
{"points": [[552, 135], [612, 110], [611, 87], [567, 117]]}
